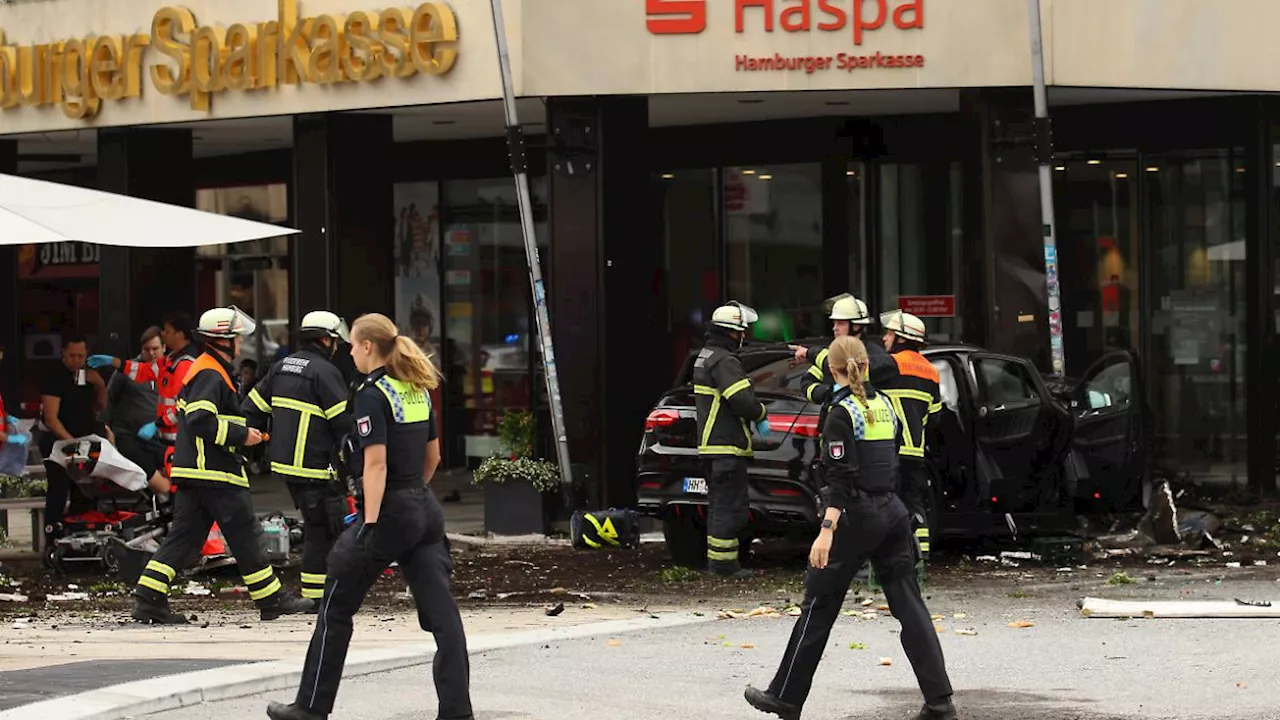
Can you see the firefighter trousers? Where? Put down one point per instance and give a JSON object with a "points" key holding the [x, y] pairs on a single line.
{"points": [[196, 508], [876, 527], [727, 511], [410, 531], [323, 507], [915, 492]]}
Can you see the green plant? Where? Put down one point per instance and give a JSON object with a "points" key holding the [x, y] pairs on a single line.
{"points": [[542, 475], [515, 433], [24, 487]]}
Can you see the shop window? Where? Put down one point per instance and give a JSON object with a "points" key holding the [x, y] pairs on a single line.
{"points": [[1195, 360], [921, 228], [252, 275], [489, 344], [687, 205], [1097, 232], [773, 247]]}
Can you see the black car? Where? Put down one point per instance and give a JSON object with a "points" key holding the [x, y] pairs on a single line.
{"points": [[1008, 454]]}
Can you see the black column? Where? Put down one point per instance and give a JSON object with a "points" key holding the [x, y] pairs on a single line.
{"points": [[137, 286], [9, 296], [1261, 310], [342, 260], [1012, 245], [608, 313]]}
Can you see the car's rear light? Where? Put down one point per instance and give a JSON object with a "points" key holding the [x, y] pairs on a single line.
{"points": [[650, 485], [802, 425], [660, 418], [1097, 496], [784, 492]]}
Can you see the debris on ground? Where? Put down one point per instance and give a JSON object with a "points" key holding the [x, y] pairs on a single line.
{"points": [[1100, 608]]}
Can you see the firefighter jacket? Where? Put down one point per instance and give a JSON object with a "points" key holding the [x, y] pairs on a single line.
{"points": [[305, 399], [860, 448], [173, 371], [725, 400], [913, 390], [818, 382], [210, 426]]}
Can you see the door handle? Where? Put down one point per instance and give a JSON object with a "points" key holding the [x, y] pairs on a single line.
{"points": [[999, 407]]}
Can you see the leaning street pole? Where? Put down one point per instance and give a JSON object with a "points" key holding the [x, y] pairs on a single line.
{"points": [[1044, 156], [520, 169]]}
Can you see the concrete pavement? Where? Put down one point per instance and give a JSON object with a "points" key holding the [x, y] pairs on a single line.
{"points": [[1062, 668]]}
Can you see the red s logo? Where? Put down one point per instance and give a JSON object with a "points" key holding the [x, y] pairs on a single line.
{"points": [[691, 16]]}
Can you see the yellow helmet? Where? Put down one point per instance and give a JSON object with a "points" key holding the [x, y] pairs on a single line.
{"points": [[904, 325]]}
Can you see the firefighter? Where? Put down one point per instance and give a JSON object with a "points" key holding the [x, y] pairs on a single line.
{"points": [[397, 453], [304, 396], [849, 316], [863, 518], [214, 487], [726, 404], [914, 392]]}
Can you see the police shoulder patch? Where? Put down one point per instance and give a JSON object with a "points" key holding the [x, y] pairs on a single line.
{"points": [[836, 450], [364, 426]]}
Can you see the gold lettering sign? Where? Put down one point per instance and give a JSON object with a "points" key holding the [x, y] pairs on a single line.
{"points": [[197, 62]]}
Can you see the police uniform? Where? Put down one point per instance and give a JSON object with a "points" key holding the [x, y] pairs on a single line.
{"points": [[214, 489], [305, 399], [860, 458], [410, 531], [726, 404]]}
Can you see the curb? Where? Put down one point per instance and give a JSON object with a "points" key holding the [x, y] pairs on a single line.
{"points": [[144, 697]]}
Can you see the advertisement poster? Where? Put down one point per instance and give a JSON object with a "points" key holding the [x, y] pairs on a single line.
{"points": [[418, 271]]}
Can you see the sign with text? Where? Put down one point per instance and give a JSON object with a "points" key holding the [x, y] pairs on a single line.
{"points": [[928, 305], [58, 260], [856, 18]]}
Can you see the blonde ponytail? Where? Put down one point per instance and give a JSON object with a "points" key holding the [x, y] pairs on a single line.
{"points": [[404, 360], [849, 352]]}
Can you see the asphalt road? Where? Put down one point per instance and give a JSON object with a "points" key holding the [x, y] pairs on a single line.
{"points": [[1063, 668]]}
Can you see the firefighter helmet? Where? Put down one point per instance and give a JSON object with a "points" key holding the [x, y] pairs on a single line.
{"points": [[904, 325], [323, 322], [226, 322], [734, 316], [851, 309]]}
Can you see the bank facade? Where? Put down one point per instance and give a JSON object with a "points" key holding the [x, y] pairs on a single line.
{"points": [[682, 152]]}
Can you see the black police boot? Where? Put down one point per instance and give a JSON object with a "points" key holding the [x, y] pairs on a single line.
{"points": [[285, 604], [937, 711], [280, 711], [765, 702], [156, 613], [731, 570]]}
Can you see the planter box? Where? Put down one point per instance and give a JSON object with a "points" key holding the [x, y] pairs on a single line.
{"points": [[513, 508]]}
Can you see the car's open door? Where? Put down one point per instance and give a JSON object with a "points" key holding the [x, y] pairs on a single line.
{"points": [[1109, 442], [1019, 431]]}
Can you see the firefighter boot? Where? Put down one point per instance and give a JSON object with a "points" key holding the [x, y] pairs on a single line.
{"points": [[280, 711], [729, 569], [285, 604], [765, 702], [940, 710], [156, 612]]}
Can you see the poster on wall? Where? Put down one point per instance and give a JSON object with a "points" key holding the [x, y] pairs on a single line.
{"points": [[417, 261]]}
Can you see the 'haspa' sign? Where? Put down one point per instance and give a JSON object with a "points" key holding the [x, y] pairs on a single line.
{"points": [[855, 17]]}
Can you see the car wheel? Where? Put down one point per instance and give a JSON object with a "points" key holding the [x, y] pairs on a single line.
{"points": [[686, 539]]}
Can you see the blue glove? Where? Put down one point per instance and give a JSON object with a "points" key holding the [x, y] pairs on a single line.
{"points": [[99, 361], [762, 428], [12, 420], [148, 431], [17, 439]]}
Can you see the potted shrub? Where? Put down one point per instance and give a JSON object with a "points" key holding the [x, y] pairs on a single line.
{"points": [[515, 484]]}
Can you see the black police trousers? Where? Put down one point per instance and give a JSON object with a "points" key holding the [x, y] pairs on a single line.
{"points": [[197, 506], [727, 509], [323, 507], [878, 527], [410, 531]]}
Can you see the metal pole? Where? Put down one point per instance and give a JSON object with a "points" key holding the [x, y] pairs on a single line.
{"points": [[1044, 156], [519, 168]]}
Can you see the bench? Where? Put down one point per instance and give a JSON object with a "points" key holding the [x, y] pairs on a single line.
{"points": [[36, 507]]}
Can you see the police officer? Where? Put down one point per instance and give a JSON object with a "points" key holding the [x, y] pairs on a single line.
{"points": [[214, 487], [863, 518], [913, 389], [304, 397], [396, 432], [849, 316], [726, 403]]}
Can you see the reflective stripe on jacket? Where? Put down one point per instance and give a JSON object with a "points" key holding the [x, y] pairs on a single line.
{"points": [[304, 398], [914, 392], [725, 401], [210, 426]]}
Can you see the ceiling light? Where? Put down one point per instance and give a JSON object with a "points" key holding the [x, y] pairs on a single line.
{"points": [[1121, 176], [1060, 168], [751, 101], [667, 176], [1153, 168], [851, 173], [766, 177], [1095, 162], [1239, 169], [748, 172]]}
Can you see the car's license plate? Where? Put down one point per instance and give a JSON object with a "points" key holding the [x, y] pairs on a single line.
{"points": [[695, 486]]}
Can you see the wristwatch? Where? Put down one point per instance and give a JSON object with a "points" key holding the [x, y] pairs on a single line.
{"points": [[828, 524]]}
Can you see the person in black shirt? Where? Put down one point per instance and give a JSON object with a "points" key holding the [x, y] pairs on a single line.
{"points": [[71, 398], [395, 429]]}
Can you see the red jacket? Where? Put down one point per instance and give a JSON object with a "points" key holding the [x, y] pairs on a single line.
{"points": [[167, 373]]}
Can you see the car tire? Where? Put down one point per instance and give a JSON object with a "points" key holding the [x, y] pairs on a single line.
{"points": [[686, 539]]}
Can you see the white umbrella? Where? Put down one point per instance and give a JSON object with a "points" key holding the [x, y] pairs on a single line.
{"points": [[38, 211]]}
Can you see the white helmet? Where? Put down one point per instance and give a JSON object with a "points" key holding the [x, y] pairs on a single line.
{"points": [[226, 322], [904, 325], [734, 316], [326, 322], [850, 308]]}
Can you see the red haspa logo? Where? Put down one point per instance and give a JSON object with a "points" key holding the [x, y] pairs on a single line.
{"points": [[676, 17]]}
